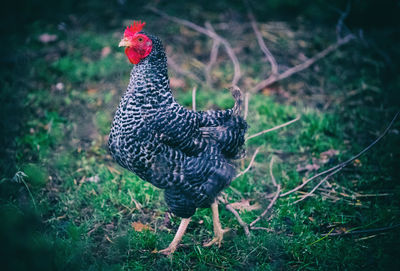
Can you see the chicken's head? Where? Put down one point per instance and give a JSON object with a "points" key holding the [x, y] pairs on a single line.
{"points": [[137, 44]]}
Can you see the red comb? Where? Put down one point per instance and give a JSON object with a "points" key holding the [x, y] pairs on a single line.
{"points": [[134, 28]]}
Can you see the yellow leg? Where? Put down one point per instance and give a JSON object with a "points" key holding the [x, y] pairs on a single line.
{"points": [[218, 230], [177, 239]]}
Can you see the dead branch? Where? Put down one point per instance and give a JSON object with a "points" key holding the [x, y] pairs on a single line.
{"points": [[318, 185], [236, 214], [239, 219], [213, 57], [302, 66], [194, 98], [273, 128], [262, 228], [340, 23], [183, 72], [250, 164], [278, 191], [271, 164], [340, 166], [261, 43], [212, 34], [383, 229]]}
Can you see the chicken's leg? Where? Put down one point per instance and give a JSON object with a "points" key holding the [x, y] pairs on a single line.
{"points": [[218, 230], [178, 237]]}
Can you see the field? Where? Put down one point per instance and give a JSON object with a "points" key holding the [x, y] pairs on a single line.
{"points": [[66, 205]]}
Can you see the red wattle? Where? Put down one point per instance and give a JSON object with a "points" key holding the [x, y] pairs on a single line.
{"points": [[132, 55]]}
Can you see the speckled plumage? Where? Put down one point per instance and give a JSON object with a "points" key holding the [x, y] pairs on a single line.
{"points": [[186, 153]]}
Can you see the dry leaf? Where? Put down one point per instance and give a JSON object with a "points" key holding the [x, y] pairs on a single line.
{"points": [[309, 167], [329, 153], [357, 163], [177, 83], [108, 239], [46, 38], [267, 91], [138, 226], [59, 86], [326, 155], [105, 51], [92, 91], [93, 179]]}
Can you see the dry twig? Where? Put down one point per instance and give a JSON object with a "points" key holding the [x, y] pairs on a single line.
{"points": [[271, 164], [262, 228], [261, 43], [302, 66], [278, 191], [183, 72], [273, 128], [212, 34], [275, 75], [236, 214], [340, 23], [340, 166], [388, 228], [213, 57], [250, 164], [194, 98], [318, 185]]}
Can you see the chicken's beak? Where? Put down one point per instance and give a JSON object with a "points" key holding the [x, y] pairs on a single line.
{"points": [[124, 42]]}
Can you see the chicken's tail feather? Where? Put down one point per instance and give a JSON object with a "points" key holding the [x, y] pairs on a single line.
{"points": [[238, 96]]}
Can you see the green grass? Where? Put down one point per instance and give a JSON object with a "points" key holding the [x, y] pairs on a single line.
{"points": [[86, 203]]}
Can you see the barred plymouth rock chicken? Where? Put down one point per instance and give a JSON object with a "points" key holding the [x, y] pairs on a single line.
{"points": [[188, 154]]}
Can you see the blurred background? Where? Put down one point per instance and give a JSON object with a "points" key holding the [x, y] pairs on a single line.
{"points": [[64, 204]]}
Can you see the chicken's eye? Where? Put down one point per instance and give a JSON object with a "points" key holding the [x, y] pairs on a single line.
{"points": [[140, 39]]}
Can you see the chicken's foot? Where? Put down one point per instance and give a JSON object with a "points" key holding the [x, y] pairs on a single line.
{"points": [[218, 230], [177, 239]]}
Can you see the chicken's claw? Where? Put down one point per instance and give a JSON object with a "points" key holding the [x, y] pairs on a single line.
{"points": [[218, 236], [167, 251]]}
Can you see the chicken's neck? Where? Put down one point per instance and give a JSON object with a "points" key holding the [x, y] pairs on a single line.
{"points": [[149, 83]]}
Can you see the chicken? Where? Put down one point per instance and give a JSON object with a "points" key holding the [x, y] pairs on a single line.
{"points": [[188, 154]]}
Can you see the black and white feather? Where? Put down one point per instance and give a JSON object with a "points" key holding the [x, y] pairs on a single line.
{"points": [[188, 154]]}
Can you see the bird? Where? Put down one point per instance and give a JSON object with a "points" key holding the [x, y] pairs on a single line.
{"points": [[189, 154]]}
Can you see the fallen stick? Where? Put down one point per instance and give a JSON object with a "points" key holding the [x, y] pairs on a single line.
{"points": [[388, 228], [261, 43], [271, 164], [250, 164], [184, 72], [213, 57], [345, 163], [318, 185], [236, 214], [194, 98], [278, 191], [239, 219], [262, 228], [212, 34], [273, 128], [273, 78]]}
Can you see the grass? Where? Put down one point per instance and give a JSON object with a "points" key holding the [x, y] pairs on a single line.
{"points": [[86, 204]]}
